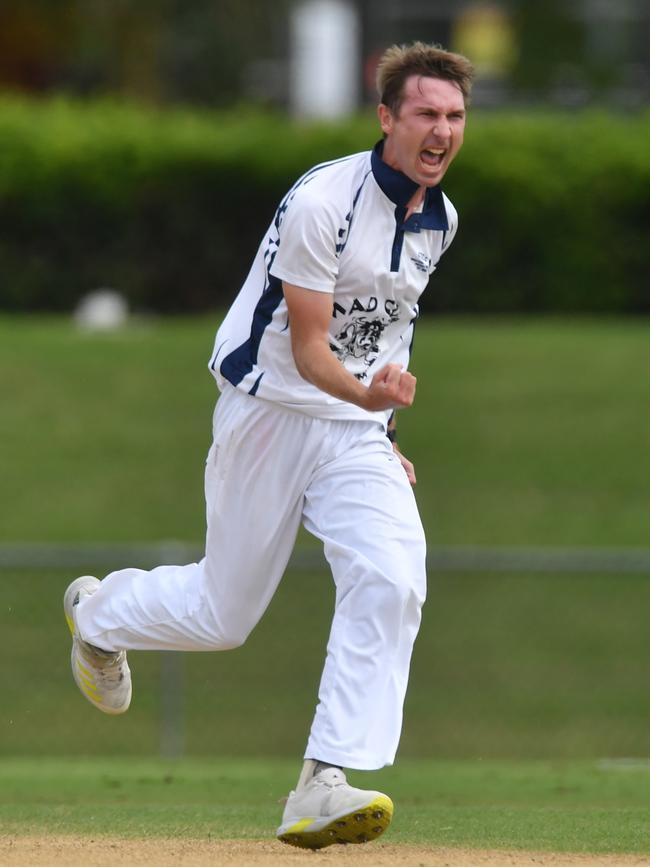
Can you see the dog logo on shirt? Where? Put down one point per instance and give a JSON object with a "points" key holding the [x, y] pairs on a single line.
{"points": [[359, 338]]}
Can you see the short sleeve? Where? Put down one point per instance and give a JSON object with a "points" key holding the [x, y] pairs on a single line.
{"points": [[307, 254], [452, 219]]}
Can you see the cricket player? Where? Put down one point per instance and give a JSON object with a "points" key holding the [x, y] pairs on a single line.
{"points": [[311, 362]]}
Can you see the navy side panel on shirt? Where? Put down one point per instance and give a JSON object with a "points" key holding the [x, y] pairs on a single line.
{"points": [[242, 360]]}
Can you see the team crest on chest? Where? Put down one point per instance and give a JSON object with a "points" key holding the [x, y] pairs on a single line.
{"points": [[359, 337]]}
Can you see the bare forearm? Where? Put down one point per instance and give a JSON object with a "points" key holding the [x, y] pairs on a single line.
{"points": [[309, 318], [317, 364]]}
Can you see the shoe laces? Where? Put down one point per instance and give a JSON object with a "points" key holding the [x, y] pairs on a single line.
{"points": [[108, 664]]}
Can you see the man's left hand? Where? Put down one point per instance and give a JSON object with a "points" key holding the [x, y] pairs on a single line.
{"points": [[409, 469]]}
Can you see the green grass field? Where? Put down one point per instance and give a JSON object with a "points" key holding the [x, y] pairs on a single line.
{"points": [[523, 432], [528, 691], [505, 667], [541, 806]]}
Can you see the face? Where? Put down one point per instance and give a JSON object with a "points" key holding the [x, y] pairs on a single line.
{"points": [[426, 134]]}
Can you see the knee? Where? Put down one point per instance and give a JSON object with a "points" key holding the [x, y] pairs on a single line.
{"points": [[225, 627], [391, 599], [217, 636], [403, 579], [389, 616], [402, 596], [229, 640]]}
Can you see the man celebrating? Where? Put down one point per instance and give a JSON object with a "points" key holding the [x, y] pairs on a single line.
{"points": [[311, 363]]}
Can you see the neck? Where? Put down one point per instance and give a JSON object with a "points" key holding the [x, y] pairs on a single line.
{"points": [[415, 201]]}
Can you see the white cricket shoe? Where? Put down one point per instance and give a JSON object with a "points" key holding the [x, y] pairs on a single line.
{"points": [[103, 677], [327, 810]]}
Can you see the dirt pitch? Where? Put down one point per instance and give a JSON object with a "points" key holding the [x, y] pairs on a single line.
{"points": [[82, 852]]}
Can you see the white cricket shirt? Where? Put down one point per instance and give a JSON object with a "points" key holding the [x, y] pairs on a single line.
{"points": [[339, 230]]}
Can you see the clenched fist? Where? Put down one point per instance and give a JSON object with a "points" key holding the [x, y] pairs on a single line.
{"points": [[392, 387]]}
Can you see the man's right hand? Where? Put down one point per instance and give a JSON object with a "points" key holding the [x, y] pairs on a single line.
{"points": [[390, 388], [310, 314]]}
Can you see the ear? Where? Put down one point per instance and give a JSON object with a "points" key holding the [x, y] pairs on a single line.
{"points": [[385, 118]]}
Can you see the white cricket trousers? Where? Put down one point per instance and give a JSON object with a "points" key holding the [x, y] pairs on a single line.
{"points": [[267, 470]]}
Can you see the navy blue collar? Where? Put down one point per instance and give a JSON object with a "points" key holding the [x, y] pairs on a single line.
{"points": [[399, 189]]}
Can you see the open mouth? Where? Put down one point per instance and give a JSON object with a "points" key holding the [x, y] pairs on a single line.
{"points": [[432, 156]]}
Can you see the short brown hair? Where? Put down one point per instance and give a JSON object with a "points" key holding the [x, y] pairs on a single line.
{"points": [[399, 62]]}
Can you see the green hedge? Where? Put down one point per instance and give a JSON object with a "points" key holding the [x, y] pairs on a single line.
{"points": [[169, 207]]}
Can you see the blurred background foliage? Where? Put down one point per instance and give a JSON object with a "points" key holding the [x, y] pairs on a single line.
{"points": [[144, 146], [169, 206]]}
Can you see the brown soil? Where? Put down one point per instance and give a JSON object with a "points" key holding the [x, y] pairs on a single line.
{"points": [[81, 852]]}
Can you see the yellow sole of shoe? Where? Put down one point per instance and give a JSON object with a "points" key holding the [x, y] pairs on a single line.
{"points": [[361, 826]]}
